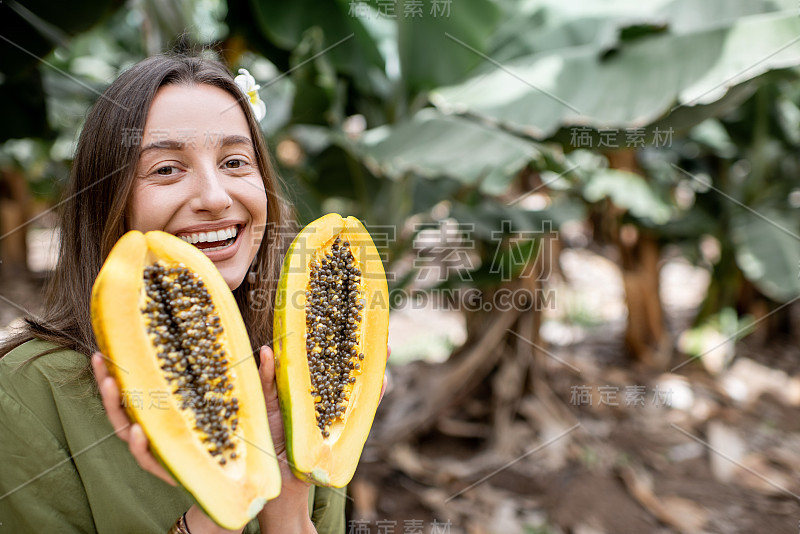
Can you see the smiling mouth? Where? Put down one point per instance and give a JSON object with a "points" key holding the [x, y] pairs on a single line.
{"points": [[214, 240]]}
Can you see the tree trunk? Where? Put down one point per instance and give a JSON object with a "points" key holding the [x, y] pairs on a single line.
{"points": [[15, 211], [646, 337]]}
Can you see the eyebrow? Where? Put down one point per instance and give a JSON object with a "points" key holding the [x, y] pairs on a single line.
{"points": [[172, 144]]}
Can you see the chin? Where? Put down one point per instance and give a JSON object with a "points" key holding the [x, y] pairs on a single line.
{"points": [[233, 279]]}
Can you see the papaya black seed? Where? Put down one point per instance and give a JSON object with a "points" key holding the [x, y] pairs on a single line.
{"points": [[332, 316], [179, 307]]}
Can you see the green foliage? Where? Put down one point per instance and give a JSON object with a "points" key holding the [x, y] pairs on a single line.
{"points": [[639, 83], [435, 145], [463, 116], [441, 44], [742, 170], [534, 71], [29, 33], [350, 48], [768, 250], [628, 191], [57, 58]]}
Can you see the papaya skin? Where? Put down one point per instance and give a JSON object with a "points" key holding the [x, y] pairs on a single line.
{"points": [[329, 461]]}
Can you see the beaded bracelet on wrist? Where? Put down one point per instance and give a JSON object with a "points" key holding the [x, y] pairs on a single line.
{"points": [[180, 526]]}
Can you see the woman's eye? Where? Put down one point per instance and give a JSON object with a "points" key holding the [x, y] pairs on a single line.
{"points": [[166, 170], [234, 163]]}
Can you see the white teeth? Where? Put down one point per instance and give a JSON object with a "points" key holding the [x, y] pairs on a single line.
{"points": [[213, 235], [216, 248]]}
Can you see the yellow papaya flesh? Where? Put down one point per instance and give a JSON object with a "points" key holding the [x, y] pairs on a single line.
{"points": [[330, 342], [178, 348]]}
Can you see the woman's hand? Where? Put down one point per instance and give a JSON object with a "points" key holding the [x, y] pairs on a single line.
{"points": [[131, 433], [288, 512], [385, 384]]}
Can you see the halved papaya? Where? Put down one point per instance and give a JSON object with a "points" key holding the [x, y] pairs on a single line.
{"points": [[169, 324], [330, 342]]}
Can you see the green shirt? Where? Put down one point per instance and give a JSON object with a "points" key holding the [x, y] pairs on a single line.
{"points": [[62, 468]]}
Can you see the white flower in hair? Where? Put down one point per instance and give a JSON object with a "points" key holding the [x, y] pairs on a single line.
{"points": [[249, 87]]}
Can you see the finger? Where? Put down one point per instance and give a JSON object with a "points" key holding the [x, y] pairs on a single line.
{"points": [[267, 371], [267, 374], [140, 449], [384, 386], [99, 366], [116, 414], [385, 383]]}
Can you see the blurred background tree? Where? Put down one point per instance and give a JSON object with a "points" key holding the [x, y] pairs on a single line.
{"points": [[389, 110]]}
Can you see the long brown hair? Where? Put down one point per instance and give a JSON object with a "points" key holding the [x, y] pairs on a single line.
{"points": [[92, 217]]}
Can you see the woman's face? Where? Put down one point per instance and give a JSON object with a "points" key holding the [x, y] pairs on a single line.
{"points": [[197, 177]]}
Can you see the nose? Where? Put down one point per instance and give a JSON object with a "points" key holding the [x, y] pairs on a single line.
{"points": [[210, 192]]}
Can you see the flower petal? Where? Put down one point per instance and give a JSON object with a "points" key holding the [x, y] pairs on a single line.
{"points": [[250, 88], [246, 78], [259, 109]]}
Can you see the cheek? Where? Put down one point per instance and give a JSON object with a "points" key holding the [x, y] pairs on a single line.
{"points": [[255, 202], [257, 209], [259, 229], [136, 212], [148, 209]]}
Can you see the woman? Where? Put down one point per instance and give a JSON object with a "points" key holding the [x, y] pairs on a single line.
{"points": [[171, 145]]}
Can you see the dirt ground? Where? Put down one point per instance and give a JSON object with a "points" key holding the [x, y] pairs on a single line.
{"points": [[690, 451]]}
